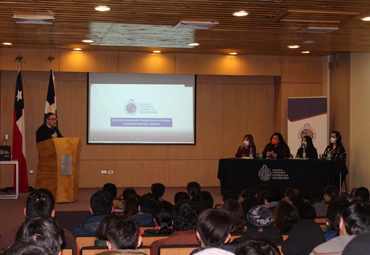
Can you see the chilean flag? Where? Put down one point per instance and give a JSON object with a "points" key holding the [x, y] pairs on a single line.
{"points": [[19, 138]]}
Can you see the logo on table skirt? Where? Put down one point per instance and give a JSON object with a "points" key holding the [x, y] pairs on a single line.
{"points": [[131, 107], [307, 130], [264, 173]]}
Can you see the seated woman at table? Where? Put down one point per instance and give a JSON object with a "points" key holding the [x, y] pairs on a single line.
{"points": [[335, 147], [277, 147], [247, 145], [310, 150]]}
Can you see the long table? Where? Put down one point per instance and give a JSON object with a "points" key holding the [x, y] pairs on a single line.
{"points": [[239, 174]]}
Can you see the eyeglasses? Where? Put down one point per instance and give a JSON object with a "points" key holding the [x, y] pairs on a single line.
{"points": [[52, 119]]}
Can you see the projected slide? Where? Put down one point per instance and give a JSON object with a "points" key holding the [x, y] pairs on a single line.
{"points": [[141, 109]]}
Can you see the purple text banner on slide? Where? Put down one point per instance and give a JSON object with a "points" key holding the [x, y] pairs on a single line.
{"points": [[141, 122]]}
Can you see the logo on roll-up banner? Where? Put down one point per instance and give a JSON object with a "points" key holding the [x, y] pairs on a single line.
{"points": [[131, 107], [264, 173], [307, 130]]}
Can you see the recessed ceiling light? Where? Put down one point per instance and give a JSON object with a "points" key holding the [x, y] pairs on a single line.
{"points": [[309, 42], [233, 53], [193, 44], [7, 43], [305, 51], [77, 49], [156, 51], [365, 19], [102, 8], [293, 46], [88, 41], [240, 13]]}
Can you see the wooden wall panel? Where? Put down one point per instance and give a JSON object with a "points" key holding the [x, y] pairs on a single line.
{"points": [[135, 62], [256, 65], [301, 69], [203, 64], [90, 175], [142, 152], [202, 171]]}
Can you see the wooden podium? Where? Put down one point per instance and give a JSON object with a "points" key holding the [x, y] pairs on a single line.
{"points": [[58, 168]]}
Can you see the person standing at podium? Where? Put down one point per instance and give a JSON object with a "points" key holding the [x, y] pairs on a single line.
{"points": [[49, 129]]}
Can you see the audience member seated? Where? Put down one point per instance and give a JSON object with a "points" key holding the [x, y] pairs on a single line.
{"points": [[132, 205], [362, 193], [273, 196], [40, 202], [205, 201], [359, 245], [247, 199], [229, 194], [127, 193], [355, 220], [314, 197], [259, 193], [27, 249], [158, 190], [145, 215], [101, 204], [101, 230], [335, 211], [285, 216], [257, 246], [162, 218], [236, 214], [42, 230], [329, 192], [305, 209], [213, 229], [259, 224], [292, 194], [305, 236], [181, 196], [193, 190], [123, 236], [184, 216], [118, 203]]}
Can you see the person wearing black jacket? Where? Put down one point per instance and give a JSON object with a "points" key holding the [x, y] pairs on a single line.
{"points": [[49, 129], [307, 145]]}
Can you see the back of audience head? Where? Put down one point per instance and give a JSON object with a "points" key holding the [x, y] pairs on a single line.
{"points": [[42, 230], [246, 194], [25, 248], [162, 216], [213, 227], [236, 214], [184, 215], [362, 193], [158, 189], [257, 246], [356, 218], [272, 193], [334, 213], [305, 209], [123, 233], [259, 193], [193, 189], [330, 191], [285, 216], [204, 201], [101, 203], [128, 192], [101, 230], [259, 216], [230, 194], [292, 194], [110, 188], [148, 202], [132, 205], [40, 202], [181, 196], [313, 196]]}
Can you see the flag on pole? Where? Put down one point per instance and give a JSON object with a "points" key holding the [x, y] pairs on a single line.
{"points": [[19, 138], [51, 102]]}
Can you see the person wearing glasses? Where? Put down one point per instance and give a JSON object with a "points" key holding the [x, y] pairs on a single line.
{"points": [[49, 129]]}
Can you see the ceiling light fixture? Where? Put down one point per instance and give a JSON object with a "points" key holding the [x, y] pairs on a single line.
{"points": [[102, 8], [293, 46], [7, 43], [193, 44], [365, 19], [77, 49], [240, 13], [156, 51], [233, 53], [88, 41], [305, 51]]}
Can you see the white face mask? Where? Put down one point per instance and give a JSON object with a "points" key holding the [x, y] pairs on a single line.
{"points": [[333, 140], [246, 143], [304, 144]]}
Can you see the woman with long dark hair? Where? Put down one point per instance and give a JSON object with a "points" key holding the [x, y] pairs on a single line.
{"points": [[277, 147], [247, 145], [307, 145], [335, 147]]}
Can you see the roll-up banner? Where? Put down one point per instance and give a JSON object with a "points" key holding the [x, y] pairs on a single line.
{"points": [[307, 116]]}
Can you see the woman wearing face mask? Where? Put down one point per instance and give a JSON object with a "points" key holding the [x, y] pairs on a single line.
{"points": [[277, 147], [310, 150], [335, 147], [247, 145]]}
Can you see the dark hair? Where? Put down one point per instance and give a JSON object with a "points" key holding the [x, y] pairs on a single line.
{"points": [[158, 189], [236, 214], [272, 193], [356, 217], [42, 230], [39, 202], [184, 215], [123, 232], [257, 246], [47, 116], [313, 196], [259, 193], [206, 198], [230, 194], [305, 209], [335, 211], [181, 196], [362, 193], [128, 192], [110, 188], [281, 139], [162, 214], [213, 226], [132, 205], [331, 190], [339, 138], [293, 193], [250, 139], [101, 202], [101, 230], [285, 216], [247, 194], [193, 189], [309, 142], [26, 248], [148, 202]]}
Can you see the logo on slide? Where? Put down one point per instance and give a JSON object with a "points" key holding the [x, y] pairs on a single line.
{"points": [[131, 107], [265, 173], [307, 130]]}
